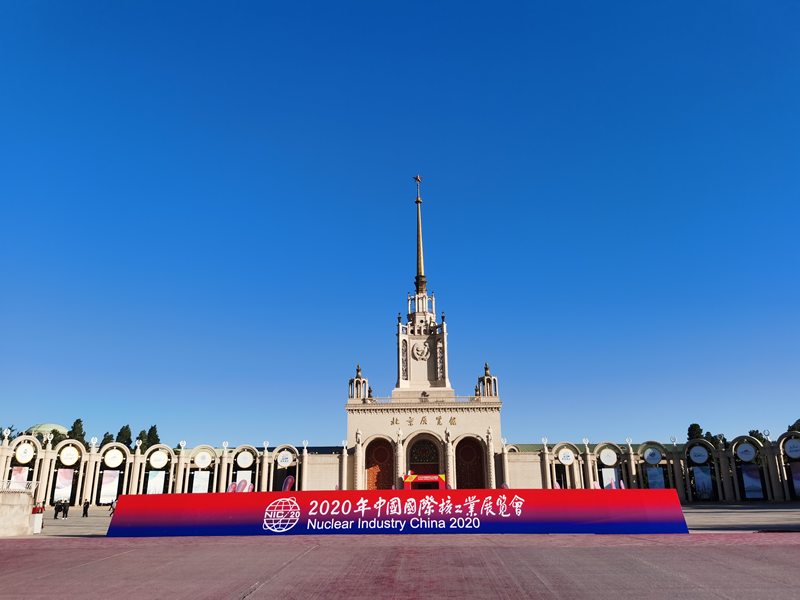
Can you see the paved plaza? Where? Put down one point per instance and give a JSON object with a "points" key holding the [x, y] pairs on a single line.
{"points": [[72, 558]]}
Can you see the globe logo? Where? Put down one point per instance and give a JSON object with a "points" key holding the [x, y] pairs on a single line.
{"points": [[281, 515]]}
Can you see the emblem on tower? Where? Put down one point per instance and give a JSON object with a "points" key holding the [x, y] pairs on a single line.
{"points": [[421, 351]]}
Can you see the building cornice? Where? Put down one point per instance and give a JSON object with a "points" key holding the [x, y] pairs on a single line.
{"points": [[417, 407]]}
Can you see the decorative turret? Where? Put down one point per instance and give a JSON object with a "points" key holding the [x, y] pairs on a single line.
{"points": [[359, 386], [487, 385]]}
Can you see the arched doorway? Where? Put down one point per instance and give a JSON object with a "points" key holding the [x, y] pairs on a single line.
{"points": [[469, 465], [380, 465], [424, 458]]}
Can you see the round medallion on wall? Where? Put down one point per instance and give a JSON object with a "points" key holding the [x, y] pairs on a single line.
{"points": [[69, 455], [467, 453], [792, 448], [698, 454], [566, 456], [381, 454], [244, 459], [24, 453], [745, 452], [203, 459], [113, 458], [608, 457], [652, 456], [159, 459], [285, 459]]}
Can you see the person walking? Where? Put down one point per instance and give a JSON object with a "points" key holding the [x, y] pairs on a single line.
{"points": [[86, 507], [57, 509], [65, 509], [113, 507]]}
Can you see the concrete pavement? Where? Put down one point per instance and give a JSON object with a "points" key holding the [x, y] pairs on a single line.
{"points": [[73, 559]]}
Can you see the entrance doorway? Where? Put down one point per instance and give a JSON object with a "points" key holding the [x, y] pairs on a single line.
{"points": [[469, 465], [380, 465], [424, 459]]}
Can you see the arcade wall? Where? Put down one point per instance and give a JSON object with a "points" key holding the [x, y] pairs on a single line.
{"points": [[744, 470]]}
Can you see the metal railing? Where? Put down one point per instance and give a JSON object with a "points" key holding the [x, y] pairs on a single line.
{"points": [[8, 487]]}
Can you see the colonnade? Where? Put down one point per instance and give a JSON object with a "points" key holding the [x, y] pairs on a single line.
{"points": [[744, 469], [101, 474]]}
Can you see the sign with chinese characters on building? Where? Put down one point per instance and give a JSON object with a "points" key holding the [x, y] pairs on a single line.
{"points": [[399, 512], [434, 420]]}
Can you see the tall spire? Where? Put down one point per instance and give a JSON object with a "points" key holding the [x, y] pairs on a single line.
{"points": [[420, 280]]}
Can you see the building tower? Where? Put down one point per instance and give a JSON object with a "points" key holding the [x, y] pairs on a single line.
{"points": [[423, 428], [422, 368]]}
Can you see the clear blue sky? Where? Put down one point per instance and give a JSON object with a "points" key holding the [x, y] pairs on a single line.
{"points": [[207, 216]]}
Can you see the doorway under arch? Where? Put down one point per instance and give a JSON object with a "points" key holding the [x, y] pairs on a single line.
{"points": [[469, 465], [380, 465], [424, 458]]}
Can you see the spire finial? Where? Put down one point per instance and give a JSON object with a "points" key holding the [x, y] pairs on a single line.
{"points": [[420, 280]]}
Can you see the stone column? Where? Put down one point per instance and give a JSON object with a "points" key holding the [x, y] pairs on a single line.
{"points": [[83, 467], [343, 468], [577, 473], [52, 481], [633, 479], [506, 474], [37, 464], [45, 474], [187, 472], [136, 480], [448, 459], [271, 473], [97, 484], [180, 465], [490, 459], [176, 470], [735, 475], [172, 482], [5, 453], [265, 464], [304, 472], [687, 483], [677, 475], [399, 460], [229, 469], [448, 469], [724, 483], [587, 470], [222, 471], [125, 473], [771, 458], [359, 468], [784, 479], [546, 467]]}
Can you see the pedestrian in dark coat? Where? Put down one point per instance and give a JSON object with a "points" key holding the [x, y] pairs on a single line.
{"points": [[86, 508], [65, 509], [57, 509]]}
